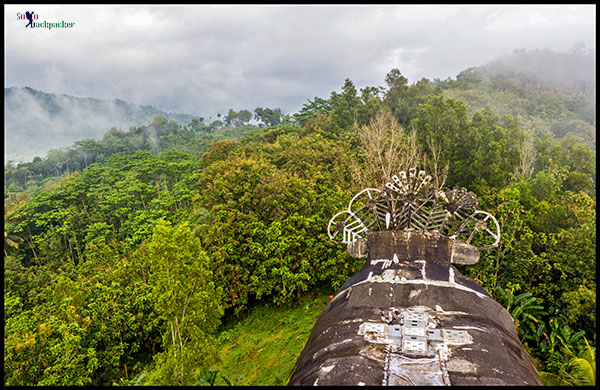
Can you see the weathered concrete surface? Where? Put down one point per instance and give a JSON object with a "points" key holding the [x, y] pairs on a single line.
{"points": [[418, 244], [470, 338]]}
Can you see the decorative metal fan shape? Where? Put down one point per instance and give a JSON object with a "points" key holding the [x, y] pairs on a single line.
{"points": [[411, 202]]}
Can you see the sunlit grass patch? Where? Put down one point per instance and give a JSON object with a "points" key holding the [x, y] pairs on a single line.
{"points": [[262, 348]]}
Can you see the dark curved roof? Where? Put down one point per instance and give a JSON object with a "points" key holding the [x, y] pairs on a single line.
{"points": [[409, 317]]}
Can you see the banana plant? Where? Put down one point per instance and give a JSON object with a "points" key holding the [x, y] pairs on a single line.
{"points": [[537, 335], [209, 377], [570, 339], [561, 337], [523, 308]]}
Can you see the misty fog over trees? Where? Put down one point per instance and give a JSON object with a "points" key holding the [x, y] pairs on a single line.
{"points": [[546, 69], [37, 121]]}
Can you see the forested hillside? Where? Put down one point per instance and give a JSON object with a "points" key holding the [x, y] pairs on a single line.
{"points": [[544, 90], [125, 258], [35, 121]]}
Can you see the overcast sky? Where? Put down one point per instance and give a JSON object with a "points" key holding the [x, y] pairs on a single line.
{"points": [[207, 59]]}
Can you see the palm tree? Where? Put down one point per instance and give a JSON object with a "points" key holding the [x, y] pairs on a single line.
{"points": [[10, 240], [580, 370]]}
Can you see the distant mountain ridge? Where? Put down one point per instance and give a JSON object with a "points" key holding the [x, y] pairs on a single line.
{"points": [[36, 121]]}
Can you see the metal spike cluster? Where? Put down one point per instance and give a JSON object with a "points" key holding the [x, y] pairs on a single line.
{"points": [[411, 202]]}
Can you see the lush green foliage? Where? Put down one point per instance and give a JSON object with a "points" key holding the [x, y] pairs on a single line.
{"points": [[262, 348], [125, 254], [186, 298], [580, 370]]}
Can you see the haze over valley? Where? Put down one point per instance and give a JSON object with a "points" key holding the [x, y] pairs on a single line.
{"points": [[35, 121]]}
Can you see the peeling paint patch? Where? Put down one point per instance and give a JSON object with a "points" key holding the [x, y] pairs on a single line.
{"points": [[456, 336], [451, 275], [422, 269], [404, 370], [439, 283], [470, 327], [338, 324], [377, 261], [461, 365], [330, 347], [413, 294], [374, 352], [453, 313], [327, 369]]}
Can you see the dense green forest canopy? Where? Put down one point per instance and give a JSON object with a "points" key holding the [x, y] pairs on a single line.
{"points": [[124, 255]]}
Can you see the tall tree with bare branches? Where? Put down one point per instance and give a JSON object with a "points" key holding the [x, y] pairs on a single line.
{"points": [[386, 148]]}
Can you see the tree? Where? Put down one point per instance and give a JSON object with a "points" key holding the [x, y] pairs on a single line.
{"points": [[311, 109], [231, 118], [197, 125], [395, 97], [244, 117], [385, 150], [370, 104], [268, 116], [440, 126], [527, 156], [345, 106], [488, 152], [186, 297], [237, 119], [214, 125]]}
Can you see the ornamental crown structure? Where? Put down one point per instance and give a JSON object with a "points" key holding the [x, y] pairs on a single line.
{"points": [[410, 202]]}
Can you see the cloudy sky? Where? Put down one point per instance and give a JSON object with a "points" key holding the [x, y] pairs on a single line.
{"points": [[207, 59]]}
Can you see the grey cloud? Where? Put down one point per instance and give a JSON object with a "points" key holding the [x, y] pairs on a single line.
{"points": [[207, 59]]}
